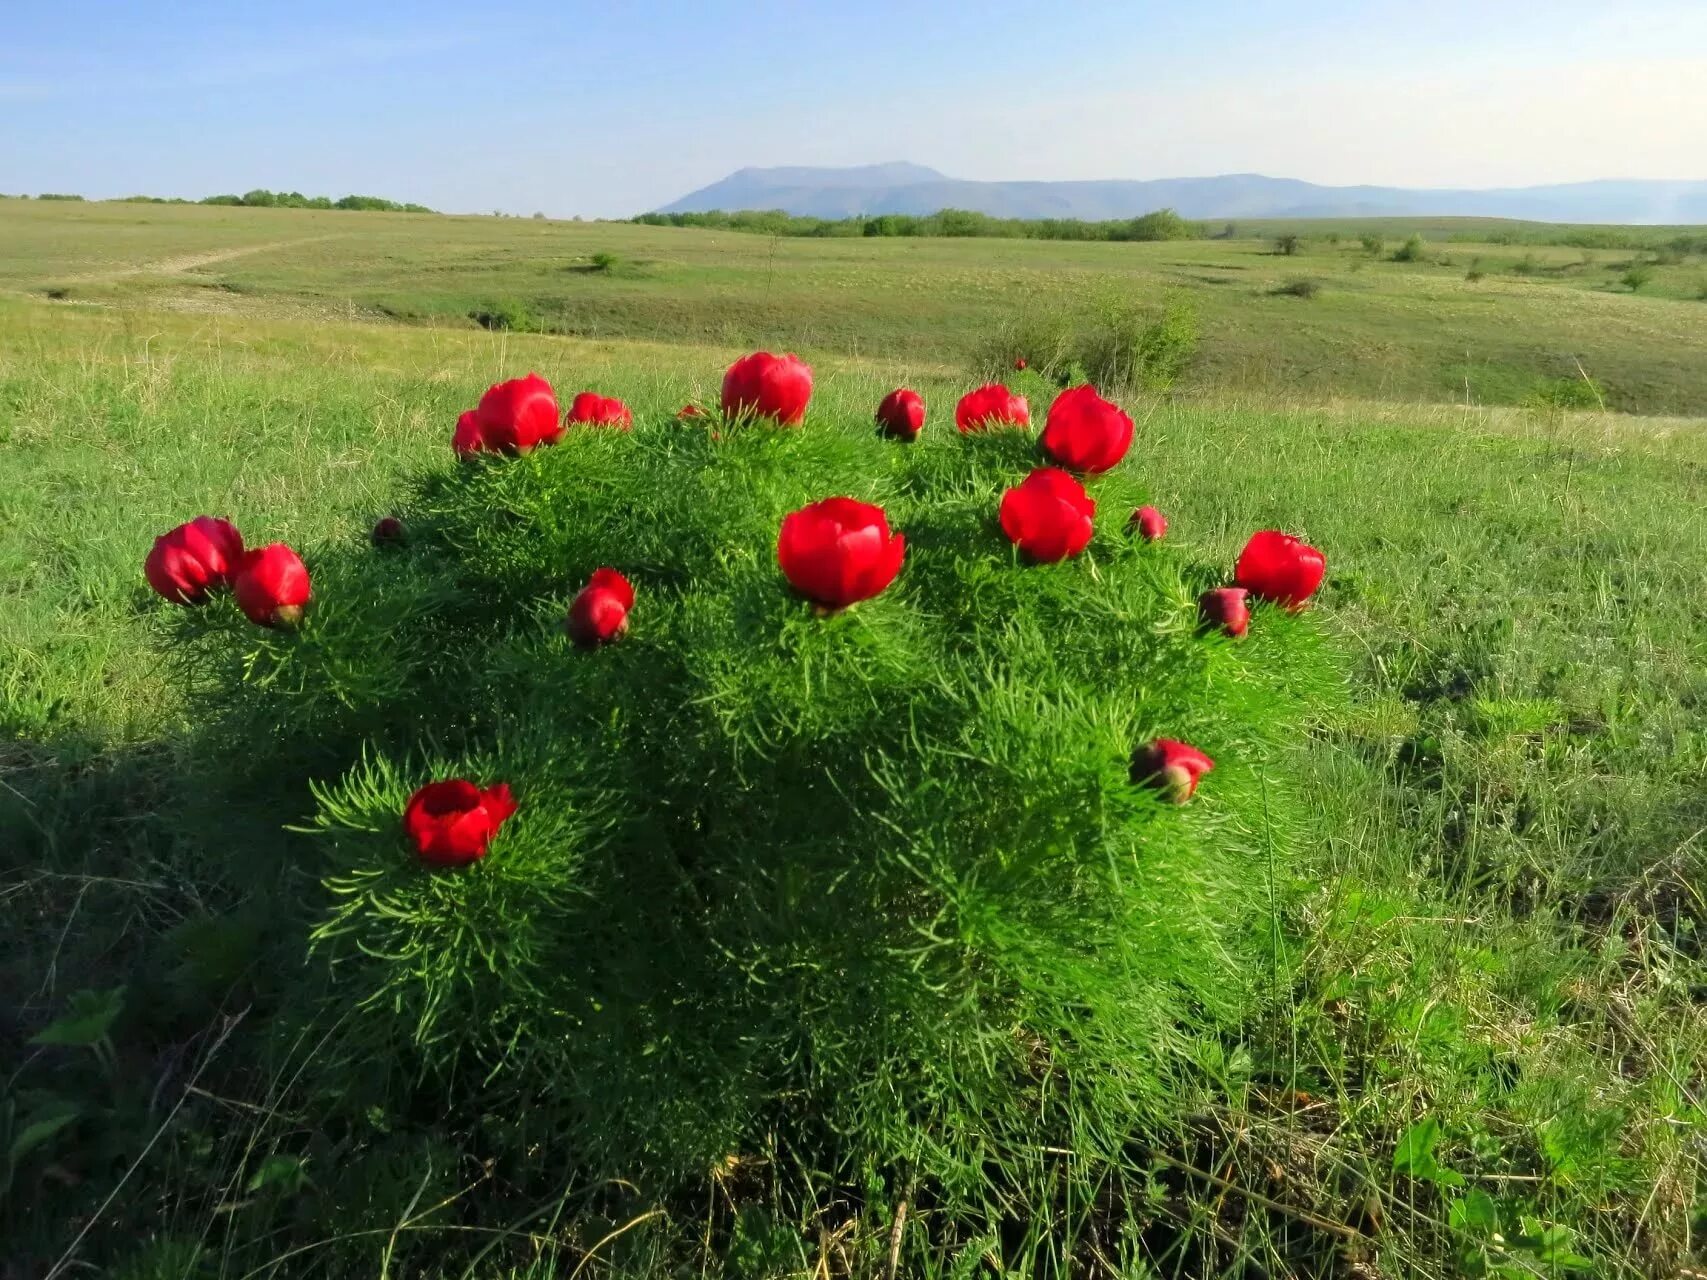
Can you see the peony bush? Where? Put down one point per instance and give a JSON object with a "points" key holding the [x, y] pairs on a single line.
{"points": [[766, 782]]}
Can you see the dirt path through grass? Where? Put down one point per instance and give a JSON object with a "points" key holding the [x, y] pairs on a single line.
{"points": [[193, 261]]}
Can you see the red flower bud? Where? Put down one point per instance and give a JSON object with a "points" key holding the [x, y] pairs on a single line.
{"points": [[688, 412], [839, 551], [991, 405], [1278, 567], [452, 823], [763, 385], [188, 562], [1048, 515], [1171, 767], [590, 409], [271, 586], [1084, 432], [902, 414], [518, 415], [599, 612], [467, 439], [1151, 524], [1019, 363], [1224, 609], [387, 532]]}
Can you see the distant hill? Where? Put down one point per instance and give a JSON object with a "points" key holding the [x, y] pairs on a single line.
{"points": [[911, 188]]}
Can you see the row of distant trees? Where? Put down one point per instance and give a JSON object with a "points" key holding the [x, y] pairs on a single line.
{"points": [[261, 198], [1163, 224]]}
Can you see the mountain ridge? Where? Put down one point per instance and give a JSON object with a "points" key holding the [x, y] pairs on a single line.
{"points": [[903, 187]]}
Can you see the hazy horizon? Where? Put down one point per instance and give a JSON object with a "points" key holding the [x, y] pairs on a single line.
{"points": [[574, 109]]}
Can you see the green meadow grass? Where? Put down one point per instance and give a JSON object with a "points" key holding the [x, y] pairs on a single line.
{"points": [[1488, 1050], [1374, 329]]}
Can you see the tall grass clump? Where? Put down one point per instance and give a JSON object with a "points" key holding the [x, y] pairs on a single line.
{"points": [[1116, 342], [1637, 276], [870, 895], [1414, 249], [507, 314]]}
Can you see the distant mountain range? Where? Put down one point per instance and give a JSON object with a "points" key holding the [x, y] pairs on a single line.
{"points": [[911, 188]]}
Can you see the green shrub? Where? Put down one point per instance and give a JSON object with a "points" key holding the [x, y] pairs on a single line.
{"points": [[1580, 392], [509, 315], [1048, 341], [1298, 288], [1160, 224], [1126, 345], [1145, 349], [1415, 249], [261, 198], [1163, 224], [874, 889], [1117, 343], [1475, 273], [1373, 245], [1288, 245], [1636, 275]]}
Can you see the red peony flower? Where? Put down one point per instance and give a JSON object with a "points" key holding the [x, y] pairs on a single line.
{"points": [[271, 586], [991, 405], [902, 414], [188, 562], [839, 551], [1084, 432], [467, 439], [452, 823], [599, 612], [763, 385], [1048, 515], [1280, 568], [1224, 609], [595, 410], [1151, 524], [387, 532], [517, 415], [1171, 767], [1019, 363]]}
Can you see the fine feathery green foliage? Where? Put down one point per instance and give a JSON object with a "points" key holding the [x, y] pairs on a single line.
{"points": [[874, 889]]}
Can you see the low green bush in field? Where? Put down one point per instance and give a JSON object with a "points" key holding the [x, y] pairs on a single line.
{"points": [[1637, 276], [1567, 393], [1115, 342], [1415, 249], [872, 893], [507, 314]]}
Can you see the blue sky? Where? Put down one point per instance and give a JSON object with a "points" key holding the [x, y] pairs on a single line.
{"points": [[605, 109]]}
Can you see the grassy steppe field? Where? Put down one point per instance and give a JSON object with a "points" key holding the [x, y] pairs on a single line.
{"points": [[1485, 1049], [1375, 328]]}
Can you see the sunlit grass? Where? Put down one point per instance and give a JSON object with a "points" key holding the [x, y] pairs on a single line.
{"points": [[1497, 928]]}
